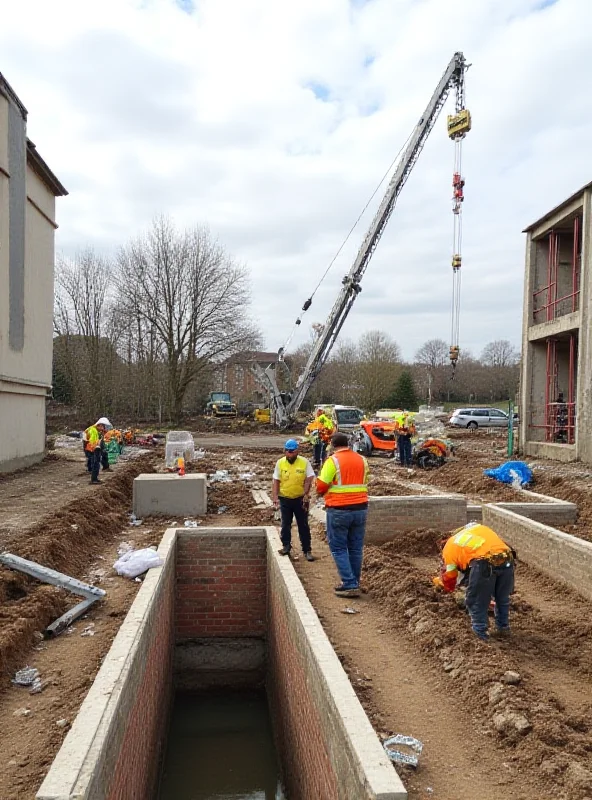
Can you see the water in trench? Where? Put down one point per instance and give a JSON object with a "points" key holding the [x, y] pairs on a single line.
{"points": [[220, 747]]}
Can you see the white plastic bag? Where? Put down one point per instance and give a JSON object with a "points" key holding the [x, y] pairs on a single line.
{"points": [[134, 563]]}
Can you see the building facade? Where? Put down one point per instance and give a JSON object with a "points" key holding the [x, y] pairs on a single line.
{"points": [[236, 376], [555, 393], [28, 190]]}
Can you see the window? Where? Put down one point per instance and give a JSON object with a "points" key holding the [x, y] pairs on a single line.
{"points": [[479, 412], [495, 412]]}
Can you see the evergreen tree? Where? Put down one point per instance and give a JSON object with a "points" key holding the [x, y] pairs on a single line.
{"points": [[403, 395]]}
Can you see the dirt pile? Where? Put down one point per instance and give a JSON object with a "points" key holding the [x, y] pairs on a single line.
{"points": [[65, 541], [525, 715]]}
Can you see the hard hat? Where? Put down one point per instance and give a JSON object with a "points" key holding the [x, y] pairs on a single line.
{"points": [[291, 444], [104, 421]]}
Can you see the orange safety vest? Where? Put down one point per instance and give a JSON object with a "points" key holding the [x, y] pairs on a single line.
{"points": [[93, 438], [346, 475], [474, 541]]}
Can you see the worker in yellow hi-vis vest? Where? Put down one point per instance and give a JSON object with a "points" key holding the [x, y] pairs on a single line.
{"points": [[292, 479]]}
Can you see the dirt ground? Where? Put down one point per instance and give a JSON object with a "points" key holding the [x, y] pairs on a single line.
{"points": [[409, 652]]}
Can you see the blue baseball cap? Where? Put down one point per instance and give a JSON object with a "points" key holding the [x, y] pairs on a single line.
{"points": [[291, 444]]}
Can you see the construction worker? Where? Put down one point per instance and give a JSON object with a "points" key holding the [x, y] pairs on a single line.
{"points": [[344, 483], [320, 431], [489, 561], [292, 478], [94, 448], [405, 429]]}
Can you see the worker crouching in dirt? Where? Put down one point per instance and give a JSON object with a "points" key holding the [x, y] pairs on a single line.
{"points": [[94, 448], [292, 479], [489, 561]]}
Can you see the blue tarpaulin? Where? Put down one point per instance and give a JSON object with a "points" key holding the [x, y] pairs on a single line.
{"points": [[516, 472]]}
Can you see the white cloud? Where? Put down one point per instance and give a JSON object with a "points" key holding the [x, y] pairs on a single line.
{"points": [[273, 121]]}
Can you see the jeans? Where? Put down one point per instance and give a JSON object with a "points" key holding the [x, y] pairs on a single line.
{"points": [[320, 451], [485, 582], [345, 533], [404, 448], [292, 507]]}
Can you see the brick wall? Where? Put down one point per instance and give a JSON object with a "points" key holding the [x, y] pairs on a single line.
{"points": [[141, 750], [114, 747], [547, 513], [327, 745], [389, 515], [221, 583], [560, 556]]}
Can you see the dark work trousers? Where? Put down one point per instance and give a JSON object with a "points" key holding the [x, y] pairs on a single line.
{"points": [[320, 451], [292, 507], [104, 457], [404, 448], [486, 582], [94, 459]]}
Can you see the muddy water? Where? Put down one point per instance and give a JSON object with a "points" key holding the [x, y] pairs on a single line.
{"points": [[220, 747]]}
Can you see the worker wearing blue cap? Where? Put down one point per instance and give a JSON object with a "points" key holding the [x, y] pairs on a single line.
{"points": [[292, 478]]}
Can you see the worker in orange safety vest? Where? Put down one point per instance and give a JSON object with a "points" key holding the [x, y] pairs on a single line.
{"points": [[93, 448], [320, 431], [343, 481], [489, 561]]}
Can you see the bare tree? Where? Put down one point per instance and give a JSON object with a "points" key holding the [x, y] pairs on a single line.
{"points": [[83, 323], [433, 357], [499, 353], [379, 366], [189, 293]]}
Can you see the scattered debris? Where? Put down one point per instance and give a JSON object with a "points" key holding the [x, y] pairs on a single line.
{"points": [[191, 523], [220, 476], [349, 610], [125, 547], [136, 562], [508, 721], [21, 712], [62, 723], [222, 509], [90, 593], [199, 454], [496, 693], [89, 630], [246, 476], [38, 686], [400, 757], [511, 677], [26, 676]]}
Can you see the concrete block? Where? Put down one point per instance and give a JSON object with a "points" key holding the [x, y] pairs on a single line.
{"points": [[170, 495]]}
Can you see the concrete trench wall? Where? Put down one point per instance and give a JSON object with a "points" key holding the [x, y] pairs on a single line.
{"points": [[235, 614], [559, 555]]}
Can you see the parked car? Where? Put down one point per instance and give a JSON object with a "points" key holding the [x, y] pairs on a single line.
{"points": [[346, 418], [220, 405], [480, 418]]}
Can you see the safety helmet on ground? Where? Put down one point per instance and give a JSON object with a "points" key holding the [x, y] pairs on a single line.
{"points": [[291, 444]]}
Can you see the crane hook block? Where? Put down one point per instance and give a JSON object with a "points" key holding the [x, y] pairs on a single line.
{"points": [[454, 354], [459, 124], [298, 321], [307, 304], [456, 261]]}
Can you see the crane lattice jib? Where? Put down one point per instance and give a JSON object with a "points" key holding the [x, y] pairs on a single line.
{"points": [[453, 78]]}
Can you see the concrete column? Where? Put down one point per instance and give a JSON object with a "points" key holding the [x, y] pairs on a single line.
{"points": [[584, 362]]}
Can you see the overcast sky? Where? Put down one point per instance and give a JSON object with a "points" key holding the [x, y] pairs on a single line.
{"points": [[272, 122]]}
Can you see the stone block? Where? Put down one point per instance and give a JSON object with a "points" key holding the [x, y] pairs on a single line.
{"points": [[170, 495]]}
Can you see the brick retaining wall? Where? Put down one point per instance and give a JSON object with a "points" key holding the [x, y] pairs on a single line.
{"points": [[389, 515]]}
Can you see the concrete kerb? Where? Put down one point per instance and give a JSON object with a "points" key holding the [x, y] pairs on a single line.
{"points": [[333, 690], [156, 494], [80, 760]]}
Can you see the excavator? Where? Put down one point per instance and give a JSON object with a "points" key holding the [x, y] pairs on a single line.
{"points": [[285, 404]]}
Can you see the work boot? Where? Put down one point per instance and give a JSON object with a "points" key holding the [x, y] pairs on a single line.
{"points": [[341, 591], [484, 637], [93, 483], [503, 633], [285, 551], [309, 556], [107, 469]]}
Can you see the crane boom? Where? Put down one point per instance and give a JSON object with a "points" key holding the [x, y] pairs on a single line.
{"points": [[285, 408]]}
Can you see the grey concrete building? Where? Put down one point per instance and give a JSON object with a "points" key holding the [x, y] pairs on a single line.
{"points": [[28, 189], [555, 393]]}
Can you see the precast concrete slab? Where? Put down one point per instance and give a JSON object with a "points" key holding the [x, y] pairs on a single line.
{"points": [[170, 495]]}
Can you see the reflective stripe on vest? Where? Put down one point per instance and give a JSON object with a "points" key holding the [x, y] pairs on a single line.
{"points": [[338, 487]]}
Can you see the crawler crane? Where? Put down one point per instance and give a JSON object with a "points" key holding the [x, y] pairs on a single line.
{"points": [[284, 405]]}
